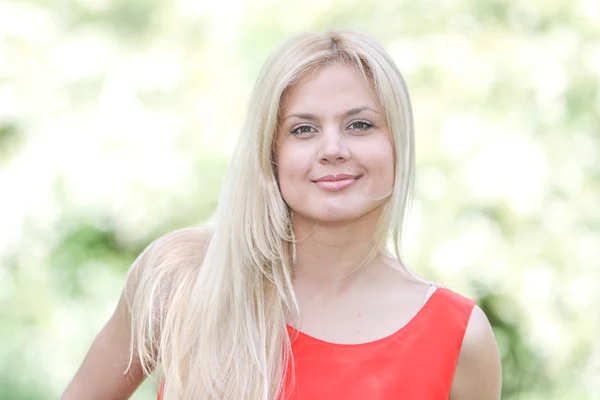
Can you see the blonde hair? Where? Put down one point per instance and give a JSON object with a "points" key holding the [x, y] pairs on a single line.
{"points": [[217, 327]]}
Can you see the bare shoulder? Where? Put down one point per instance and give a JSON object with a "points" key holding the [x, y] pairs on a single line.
{"points": [[478, 372]]}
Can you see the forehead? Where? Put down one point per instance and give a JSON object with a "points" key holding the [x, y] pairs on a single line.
{"points": [[335, 88]]}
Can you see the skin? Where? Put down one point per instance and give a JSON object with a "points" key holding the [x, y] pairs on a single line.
{"points": [[330, 124], [338, 303]]}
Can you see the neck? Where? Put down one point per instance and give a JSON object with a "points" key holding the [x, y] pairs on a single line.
{"points": [[330, 256]]}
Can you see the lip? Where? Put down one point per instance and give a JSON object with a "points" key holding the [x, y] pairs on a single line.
{"points": [[334, 183]]}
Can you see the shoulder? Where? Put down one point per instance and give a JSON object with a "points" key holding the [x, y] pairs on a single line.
{"points": [[186, 243], [478, 371], [177, 253]]}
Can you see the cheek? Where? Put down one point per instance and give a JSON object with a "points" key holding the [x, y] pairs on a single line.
{"points": [[381, 159], [292, 171]]}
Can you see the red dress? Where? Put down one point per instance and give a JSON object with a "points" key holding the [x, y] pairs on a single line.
{"points": [[415, 363]]}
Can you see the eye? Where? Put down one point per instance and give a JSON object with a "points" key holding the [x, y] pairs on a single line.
{"points": [[302, 130], [360, 125]]}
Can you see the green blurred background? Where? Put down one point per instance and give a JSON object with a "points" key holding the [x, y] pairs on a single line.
{"points": [[117, 120]]}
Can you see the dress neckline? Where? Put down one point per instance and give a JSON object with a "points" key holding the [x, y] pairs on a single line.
{"points": [[406, 327]]}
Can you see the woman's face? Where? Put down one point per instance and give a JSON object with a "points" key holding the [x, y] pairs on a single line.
{"points": [[335, 159]]}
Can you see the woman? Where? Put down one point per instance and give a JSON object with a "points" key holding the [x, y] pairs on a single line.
{"points": [[293, 293]]}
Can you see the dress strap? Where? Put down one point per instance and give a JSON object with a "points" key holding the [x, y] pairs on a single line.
{"points": [[430, 291]]}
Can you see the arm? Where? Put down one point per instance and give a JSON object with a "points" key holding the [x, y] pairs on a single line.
{"points": [[101, 375], [478, 374]]}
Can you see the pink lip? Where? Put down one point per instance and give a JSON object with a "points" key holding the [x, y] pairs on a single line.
{"points": [[333, 183]]}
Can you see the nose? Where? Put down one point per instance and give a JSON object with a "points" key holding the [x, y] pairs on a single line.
{"points": [[333, 149]]}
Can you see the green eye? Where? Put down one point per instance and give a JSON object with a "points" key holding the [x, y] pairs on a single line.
{"points": [[360, 125], [302, 130]]}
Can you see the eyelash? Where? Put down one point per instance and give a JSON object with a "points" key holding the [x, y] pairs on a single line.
{"points": [[367, 126]]}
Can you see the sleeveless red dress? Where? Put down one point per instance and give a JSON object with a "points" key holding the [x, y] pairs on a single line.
{"points": [[415, 363]]}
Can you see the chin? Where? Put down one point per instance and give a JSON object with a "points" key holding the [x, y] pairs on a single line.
{"points": [[327, 214], [336, 218]]}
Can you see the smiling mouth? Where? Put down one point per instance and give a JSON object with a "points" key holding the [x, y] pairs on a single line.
{"points": [[334, 183]]}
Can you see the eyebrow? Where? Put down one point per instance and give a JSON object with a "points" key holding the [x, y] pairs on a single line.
{"points": [[350, 112]]}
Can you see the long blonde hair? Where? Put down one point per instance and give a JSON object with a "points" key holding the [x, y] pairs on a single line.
{"points": [[217, 330]]}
